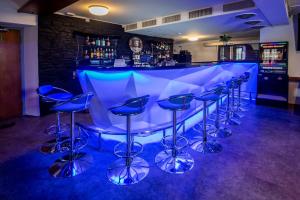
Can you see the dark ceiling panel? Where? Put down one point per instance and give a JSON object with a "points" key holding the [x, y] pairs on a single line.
{"points": [[41, 7]]}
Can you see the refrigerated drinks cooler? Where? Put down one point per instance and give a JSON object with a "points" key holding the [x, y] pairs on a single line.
{"points": [[272, 87]]}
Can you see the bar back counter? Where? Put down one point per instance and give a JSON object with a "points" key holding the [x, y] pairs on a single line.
{"points": [[113, 86]]}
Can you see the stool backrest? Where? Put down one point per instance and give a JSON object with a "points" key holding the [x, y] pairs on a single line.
{"points": [[44, 90], [181, 98], [218, 90], [83, 99], [138, 102]]}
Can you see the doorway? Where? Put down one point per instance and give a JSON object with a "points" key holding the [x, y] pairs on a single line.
{"points": [[10, 75]]}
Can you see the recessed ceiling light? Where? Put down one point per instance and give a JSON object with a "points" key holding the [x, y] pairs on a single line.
{"points": [[179, 33], [253, 22], [245, 15], [98, 10]]}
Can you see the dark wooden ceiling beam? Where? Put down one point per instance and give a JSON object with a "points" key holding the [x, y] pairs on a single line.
{"points": [[43, 7]]}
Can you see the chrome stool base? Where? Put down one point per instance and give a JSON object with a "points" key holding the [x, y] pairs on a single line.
{"points": [[234, 121], [223, 132], [121, 174], [53, 146], [205, 147], [178, 164], [67, 167]]}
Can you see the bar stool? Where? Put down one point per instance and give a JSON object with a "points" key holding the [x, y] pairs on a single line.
{"points": [[244, 79], [174, 159], [237, 105], [221, 131], [51, 94], [204, 144], [74, 162], [129, 169], [233, 118]]}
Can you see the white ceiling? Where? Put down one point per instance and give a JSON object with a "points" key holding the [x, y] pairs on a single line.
{"points": [[129, 11], [20, 2], [207, 28]]}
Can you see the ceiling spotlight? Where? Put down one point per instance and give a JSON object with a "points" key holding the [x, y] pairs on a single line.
{"points": [[98, 10], [245, 15], [253, 22]]}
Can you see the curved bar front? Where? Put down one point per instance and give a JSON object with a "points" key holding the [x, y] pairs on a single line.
{"points": [[113, 87]]}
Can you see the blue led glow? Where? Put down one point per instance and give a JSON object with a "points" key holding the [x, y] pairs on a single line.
{"points": [[110, 75]]}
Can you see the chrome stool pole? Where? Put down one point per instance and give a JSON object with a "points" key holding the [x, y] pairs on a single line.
{"points": [[245, 78], [129, 168], [74, 162], [233, 117], [223, 131], [174, 159]]}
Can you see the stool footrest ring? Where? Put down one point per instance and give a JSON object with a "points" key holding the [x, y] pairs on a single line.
{"points": [[120, 150], [181, 142]]}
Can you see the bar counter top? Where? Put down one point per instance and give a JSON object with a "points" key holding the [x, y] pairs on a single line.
{"points": [[178, 66]]}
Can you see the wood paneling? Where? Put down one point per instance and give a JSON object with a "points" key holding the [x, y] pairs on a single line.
{"points": [[10, 75], [41, 7]]}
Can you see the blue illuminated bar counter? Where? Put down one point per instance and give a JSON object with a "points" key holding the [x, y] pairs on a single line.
{"points": [[113, 86]]}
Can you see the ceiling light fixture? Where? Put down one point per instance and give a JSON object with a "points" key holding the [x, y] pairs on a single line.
{"points": [[98, 10], [193, 39]]}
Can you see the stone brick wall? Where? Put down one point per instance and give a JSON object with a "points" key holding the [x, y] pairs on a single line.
{"points": [[58, 48]]}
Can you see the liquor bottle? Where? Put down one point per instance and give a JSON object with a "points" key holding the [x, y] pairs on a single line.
{"points": [[87, 40], [106, 54], [101, 53], [112, 53], [86, 55], [98, 53], [95, 53], [92, 54], [103, 42], [93, 42], [107, 42], [98, 42]]}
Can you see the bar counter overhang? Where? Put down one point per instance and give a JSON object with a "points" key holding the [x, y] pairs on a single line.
{"points": [[113, 86]]}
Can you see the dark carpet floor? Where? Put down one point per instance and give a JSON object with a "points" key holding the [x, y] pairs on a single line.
{"points": [[259, 162]]}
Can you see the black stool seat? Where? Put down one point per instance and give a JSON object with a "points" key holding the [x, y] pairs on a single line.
{"points": [[177, 102], [132, 106], [208, 97]]}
